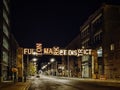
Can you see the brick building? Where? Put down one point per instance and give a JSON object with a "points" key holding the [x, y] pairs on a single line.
{"points": [[100, 32]]}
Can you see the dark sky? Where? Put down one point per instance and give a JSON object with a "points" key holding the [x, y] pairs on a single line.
{"points": [[52, 23]]}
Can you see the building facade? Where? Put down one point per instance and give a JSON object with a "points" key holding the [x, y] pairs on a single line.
{"points": [[8, 44], [4, 42], [72, 64], [100, 32], [13, 58]]}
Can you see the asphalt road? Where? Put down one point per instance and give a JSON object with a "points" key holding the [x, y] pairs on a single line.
{"points": [[50, 83]]}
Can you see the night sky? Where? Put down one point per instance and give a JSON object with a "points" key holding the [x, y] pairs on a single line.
{"points": [[52, 23]]}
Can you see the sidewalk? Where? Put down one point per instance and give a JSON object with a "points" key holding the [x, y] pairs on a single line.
{"points": [[15, 86], [5, 83]]}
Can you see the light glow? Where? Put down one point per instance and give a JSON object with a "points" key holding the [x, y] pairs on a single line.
{"points": [[34, 59], [52, 60]]}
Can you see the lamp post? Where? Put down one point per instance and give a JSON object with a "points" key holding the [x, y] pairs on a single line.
{"points": [[53, 60], [34, 59], [56, 68], [27, 65], [68, 66]]}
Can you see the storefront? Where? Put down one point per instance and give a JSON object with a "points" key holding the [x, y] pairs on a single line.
{"points": [[86, 69]]}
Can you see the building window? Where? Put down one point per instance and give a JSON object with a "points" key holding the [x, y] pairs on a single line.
{"points": [[85, 31], [5, 43], [99, 52], [97, 18], [112, 47], [5, 4], [98, 36], [85, 58], [5, 30], [5, 16], [97, 23], [86, 43], [5, 57]]}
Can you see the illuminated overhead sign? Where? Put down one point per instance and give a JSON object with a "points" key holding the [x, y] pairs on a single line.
{"points": [[56, 51]]}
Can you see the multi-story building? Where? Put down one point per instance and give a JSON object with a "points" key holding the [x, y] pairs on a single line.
{"points": [[5, 36], [101, 34], [8, 44], [91, 37]]}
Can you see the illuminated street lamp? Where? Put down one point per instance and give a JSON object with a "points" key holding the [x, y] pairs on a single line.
{"points": [[35, 53], [34, 59], [68, 62], [48, 63], [53, 60]]}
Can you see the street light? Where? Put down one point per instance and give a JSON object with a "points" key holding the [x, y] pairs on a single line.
{"points": [[68, 62], [48, 63], [53, 60], [35, 53], [34, 59]]}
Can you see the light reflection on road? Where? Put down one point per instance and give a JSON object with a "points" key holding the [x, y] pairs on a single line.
{"points": [[50, 83]]}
